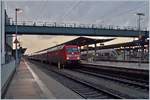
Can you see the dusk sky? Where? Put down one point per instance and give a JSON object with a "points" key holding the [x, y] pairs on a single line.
{"points": [[110, 12]]}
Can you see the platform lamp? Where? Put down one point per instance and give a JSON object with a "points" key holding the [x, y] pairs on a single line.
{"points": [[10, 22], [17, 10], [139, 29]]}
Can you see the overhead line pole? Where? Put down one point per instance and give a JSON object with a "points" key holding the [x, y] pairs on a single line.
{"points": [[139, 28]]}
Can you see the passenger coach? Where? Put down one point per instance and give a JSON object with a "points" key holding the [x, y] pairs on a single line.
{"points": [[62, 55]]}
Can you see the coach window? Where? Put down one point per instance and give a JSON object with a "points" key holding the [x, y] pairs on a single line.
{"points": [[72, 50]]}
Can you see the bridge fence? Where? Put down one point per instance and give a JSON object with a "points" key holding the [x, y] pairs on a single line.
{"points": [[75, 25]]}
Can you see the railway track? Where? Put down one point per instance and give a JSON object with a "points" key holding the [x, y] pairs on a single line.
{"points": [[121, 73], [84, 89], [131, 83], [99, 87], [87, 89]]}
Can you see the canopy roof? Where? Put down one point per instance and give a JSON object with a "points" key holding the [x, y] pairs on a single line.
{"points": [[81, 41]]}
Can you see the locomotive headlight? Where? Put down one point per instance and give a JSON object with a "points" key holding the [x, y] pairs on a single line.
{"points": [[67, 58]]}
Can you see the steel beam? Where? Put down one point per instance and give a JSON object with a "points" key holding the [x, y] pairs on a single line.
{"points": [[47, 30]]}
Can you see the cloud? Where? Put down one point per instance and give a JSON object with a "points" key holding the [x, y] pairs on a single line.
{"points": [[84, 12], [127, 23]]}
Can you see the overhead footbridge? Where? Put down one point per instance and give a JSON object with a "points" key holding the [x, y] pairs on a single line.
{"points": [[74, 29]]}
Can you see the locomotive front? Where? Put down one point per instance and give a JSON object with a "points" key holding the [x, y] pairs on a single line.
{"points": [[72, 54]]}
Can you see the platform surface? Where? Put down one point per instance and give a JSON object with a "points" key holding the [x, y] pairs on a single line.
{"points": [[31, 83], [144, 66]]}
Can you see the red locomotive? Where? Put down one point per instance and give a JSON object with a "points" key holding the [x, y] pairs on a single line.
{"points": [[61, 55]]}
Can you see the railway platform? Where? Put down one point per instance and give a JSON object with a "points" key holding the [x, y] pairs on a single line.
{"points": [[29, 82], [143, 66]]}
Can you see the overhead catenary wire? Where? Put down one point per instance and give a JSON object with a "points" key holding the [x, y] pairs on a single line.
{"points": [[42, 10], [123, 13], [71, 9], [109, 13]]}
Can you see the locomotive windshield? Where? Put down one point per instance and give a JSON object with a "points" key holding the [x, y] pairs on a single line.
{"points": [[72, 50]]}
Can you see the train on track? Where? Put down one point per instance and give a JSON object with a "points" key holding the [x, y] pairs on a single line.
{"points": [[61, 55], [102, 54]]}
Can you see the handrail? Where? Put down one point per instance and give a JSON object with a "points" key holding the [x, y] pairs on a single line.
{"points": [[75, 25]]}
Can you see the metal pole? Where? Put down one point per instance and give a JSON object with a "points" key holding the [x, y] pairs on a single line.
{"points": [[139, 27], [124, 58], [139, 45], [95, 50], [87, 52], [16, 37]]}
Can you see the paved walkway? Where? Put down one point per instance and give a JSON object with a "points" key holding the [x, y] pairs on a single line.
{"points": [[58, 90], [144, 66], [24, 85], [30, 82]]}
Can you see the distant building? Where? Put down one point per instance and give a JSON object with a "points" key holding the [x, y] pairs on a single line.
{"points": [[6, 41], [9, 38], [2, 31]]}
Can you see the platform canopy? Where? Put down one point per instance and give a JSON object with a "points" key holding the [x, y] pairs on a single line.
{"points": [[81, 41], [127, 44], [119, 45]]}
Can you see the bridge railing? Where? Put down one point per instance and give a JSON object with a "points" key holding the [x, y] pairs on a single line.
{"points": [[75, 25]]}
